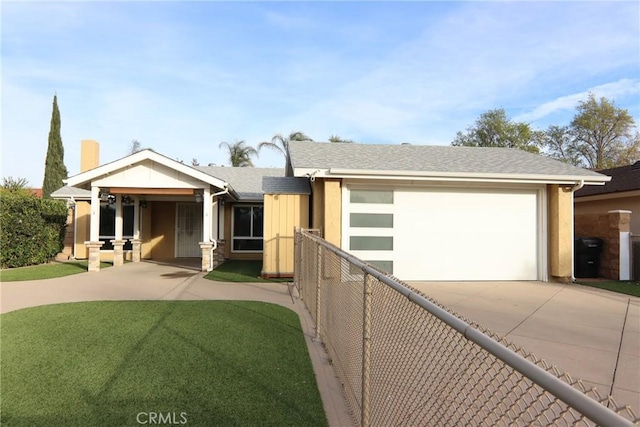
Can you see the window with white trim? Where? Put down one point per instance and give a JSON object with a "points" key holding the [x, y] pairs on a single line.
{"points": [[247, 228]]}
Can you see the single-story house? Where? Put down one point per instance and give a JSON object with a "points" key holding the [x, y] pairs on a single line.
{"points": [[419, 212]]}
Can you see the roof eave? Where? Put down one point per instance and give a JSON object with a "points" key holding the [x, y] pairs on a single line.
{"points": [[451, 176]]}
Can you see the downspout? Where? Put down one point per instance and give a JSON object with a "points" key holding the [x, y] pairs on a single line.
{"points": [[574, 188], [211, 239], [75, 225]]}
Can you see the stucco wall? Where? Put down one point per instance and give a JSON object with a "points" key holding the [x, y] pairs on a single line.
{"points": [[332, 229], [282, 214], [145, 231], [83, 218], [559, 225]]}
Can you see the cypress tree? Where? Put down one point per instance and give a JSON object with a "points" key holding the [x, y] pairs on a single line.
{"points": [[54, 169]]}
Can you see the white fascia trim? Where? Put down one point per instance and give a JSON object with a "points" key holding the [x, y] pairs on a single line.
{"points": [[450, 176], [138, 157]]}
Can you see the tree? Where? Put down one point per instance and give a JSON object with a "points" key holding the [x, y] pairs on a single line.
{"points": [[558, 143], [15, 185], [337, 138], [602, 133], [494, 129], [54, 170], [135, 147], [280, 143], [239, 153]]}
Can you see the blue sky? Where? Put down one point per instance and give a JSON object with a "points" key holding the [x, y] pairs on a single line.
{"points": [[181, 77]]}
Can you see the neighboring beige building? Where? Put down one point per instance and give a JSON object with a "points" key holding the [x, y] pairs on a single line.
{"points": [[419, 212]]}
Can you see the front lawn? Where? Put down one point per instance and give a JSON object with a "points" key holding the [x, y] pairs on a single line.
{"points": [[209, 363], [621, 286], [240, 271], [46, 271]]}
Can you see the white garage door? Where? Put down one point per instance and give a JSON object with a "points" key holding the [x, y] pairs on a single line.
{"points": [[445, 233]]}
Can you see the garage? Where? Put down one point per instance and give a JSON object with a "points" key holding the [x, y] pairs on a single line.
{"points": [[446, 233]]}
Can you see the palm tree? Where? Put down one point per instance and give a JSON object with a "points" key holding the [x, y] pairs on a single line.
{"points": [[239, 153], [337, 138], [281, 144]]}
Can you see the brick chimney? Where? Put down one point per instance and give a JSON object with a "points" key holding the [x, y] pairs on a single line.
{"points": [[89, 155]]}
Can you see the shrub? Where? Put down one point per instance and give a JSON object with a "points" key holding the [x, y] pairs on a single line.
{"points": [[31, 229]]}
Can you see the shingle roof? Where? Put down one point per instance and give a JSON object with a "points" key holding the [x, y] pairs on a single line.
{"points": [[428, 158], [285, 185], [247, 182], [624, 178], [67, 191]]}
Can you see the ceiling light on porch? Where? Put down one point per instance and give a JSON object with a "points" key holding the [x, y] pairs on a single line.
{"points": [[199, 196]]}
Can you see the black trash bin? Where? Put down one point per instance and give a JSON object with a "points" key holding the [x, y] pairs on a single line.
{"points": [[587, 257]]}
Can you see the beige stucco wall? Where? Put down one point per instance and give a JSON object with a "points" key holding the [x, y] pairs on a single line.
{"points": [[560, 227], [145, 231], [332, 229], [317, 202], [83, 218], [89, 155], [630, 203], [282, 214]]}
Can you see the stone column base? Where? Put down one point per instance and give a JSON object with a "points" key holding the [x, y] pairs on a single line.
{"points": [[206, 255], [94, 255], [118, 252], [218, 254], [136, 252]]}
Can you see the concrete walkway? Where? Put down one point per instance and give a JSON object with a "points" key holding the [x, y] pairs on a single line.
{"points": [[151, 281], [591, 333]]}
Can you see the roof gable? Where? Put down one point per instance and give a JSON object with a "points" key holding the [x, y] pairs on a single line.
{"points": [[145, 159]]}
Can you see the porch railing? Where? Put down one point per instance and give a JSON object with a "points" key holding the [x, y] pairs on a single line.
{"points": [[404, 360]]}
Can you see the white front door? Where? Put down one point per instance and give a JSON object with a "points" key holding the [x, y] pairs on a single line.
{"points": [[188, 229]]}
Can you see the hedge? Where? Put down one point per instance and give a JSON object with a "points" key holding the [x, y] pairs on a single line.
{"points": [[31, 229]]}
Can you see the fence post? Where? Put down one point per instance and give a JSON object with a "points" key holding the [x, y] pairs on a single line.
{"points": [[365, 420], [296, 258], [318, 291]]}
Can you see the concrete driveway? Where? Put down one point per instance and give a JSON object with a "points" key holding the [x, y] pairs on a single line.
{"points": [[592, 334]]}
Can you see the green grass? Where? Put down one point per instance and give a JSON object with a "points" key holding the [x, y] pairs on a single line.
{"points": [[240, 271], [46, 271], [220, 363], [622, 286]]}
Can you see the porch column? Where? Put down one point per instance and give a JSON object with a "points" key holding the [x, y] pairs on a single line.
{"points": [[118, 243], [136, 242], [94, 244], [206, 215]]}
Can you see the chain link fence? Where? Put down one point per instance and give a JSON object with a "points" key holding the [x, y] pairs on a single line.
{"points": [[404, 360]]}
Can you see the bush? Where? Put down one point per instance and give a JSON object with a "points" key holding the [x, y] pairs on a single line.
{"points": [[31, 229]]}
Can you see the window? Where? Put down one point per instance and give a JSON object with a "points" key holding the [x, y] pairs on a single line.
{"points": [[108, 225], [371, 196], [247, 228]]}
